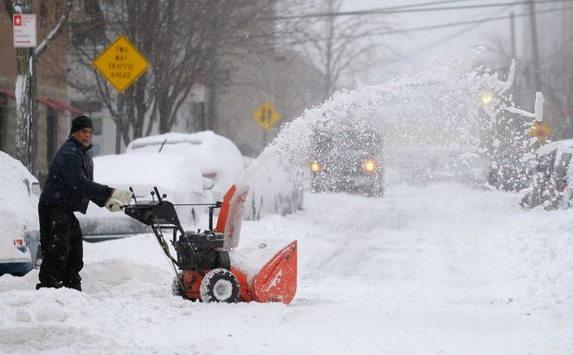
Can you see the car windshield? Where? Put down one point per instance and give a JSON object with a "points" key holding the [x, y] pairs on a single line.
{"points": [[363, 141]]}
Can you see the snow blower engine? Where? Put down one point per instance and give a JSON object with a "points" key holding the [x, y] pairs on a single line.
{"points": [[202, 264]]}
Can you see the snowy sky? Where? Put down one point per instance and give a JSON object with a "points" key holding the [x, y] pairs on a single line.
{"points": [[419, 46], [447, 41]]}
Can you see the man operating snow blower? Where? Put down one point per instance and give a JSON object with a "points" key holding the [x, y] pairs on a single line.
{"points": [[69, 187]]}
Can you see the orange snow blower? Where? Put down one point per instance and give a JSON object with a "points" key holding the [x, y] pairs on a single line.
{"points": [[202, 263]]}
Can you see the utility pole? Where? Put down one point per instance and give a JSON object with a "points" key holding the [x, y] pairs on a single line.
{"points": [[119, 122], [516, 81], [328, 75], [26, 111], [534, 46], [26, 81]]}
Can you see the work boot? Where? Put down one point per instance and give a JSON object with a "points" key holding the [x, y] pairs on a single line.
{"points": [[50, 285]]}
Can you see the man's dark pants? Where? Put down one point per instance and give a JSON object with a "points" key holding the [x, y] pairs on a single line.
{"points": [[62, 249]]}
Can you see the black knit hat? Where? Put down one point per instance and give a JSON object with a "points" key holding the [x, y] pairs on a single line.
{"points": [[81, 122]]}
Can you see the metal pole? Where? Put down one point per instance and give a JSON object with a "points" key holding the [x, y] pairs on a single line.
{"points": [[512, 31], [119, 123], [534, 46]]}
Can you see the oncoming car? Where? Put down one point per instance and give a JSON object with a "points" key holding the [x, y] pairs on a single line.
{"points": [[19, 229], [347, 161]]}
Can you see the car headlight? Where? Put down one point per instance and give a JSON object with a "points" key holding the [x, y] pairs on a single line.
{"points": [[369, 166], [314, 167]]}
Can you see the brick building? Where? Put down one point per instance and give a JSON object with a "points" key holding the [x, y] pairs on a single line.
{"points": [[54, 112]]}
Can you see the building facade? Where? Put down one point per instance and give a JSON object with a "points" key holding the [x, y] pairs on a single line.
{"points": [[54, 111]]}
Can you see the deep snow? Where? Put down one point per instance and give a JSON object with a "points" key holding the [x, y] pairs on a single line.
{"points": [[436, 269]]}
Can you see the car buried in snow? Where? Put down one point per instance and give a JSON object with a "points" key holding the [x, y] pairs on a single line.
{"points": [[508, 173], [175, 175], [216, 157], [347, 161], [273, 191], [552, 179], [19, 228]]}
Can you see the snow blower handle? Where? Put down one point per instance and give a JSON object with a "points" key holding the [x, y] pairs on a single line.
{"points": [[134, 198], [159, 197]]}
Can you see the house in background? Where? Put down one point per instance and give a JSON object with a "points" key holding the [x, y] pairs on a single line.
{"points": [[54, 111]]}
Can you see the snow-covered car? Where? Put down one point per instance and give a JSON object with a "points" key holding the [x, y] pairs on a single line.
{"points": [[509, 173], [273, 191], [175, 175], [217, 157], [19, 226], [552, 180], [347, 161]]}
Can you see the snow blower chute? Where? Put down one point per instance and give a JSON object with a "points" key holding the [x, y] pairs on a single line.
{"points": [[202, 264]]}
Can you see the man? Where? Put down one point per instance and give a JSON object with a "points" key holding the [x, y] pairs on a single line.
{"points": [[69, 187]]}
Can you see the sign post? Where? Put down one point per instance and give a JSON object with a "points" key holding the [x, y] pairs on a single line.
{"points": [[120, 63]]}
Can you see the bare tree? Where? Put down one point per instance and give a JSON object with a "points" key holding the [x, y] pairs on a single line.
{"points": [[184, 41], [26, 81], [555, 77], [335, 42]]}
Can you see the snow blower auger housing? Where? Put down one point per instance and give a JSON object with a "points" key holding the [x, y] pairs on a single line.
{"points": [[202, 265]]}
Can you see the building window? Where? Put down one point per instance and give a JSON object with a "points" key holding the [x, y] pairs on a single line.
{"points": [[51, 134], [95, 150], [97, 126]]}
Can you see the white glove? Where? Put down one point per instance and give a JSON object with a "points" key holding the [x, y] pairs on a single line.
{"points": [[113, 205], [123, 196]]}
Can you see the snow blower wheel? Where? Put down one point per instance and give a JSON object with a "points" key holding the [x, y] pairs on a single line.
{"points": [[220, 285]]}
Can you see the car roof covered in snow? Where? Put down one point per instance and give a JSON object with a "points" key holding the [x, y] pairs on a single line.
{"points": [[171, 171], [211, 151]]}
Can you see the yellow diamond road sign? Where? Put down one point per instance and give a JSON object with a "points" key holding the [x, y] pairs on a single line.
{"points": [[266, 116], [121, 63]]}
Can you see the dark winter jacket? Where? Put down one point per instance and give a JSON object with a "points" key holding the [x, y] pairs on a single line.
{"points": [[69, 183]]}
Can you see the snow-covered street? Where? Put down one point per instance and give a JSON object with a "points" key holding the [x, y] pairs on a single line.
{"points": [[436, 269]]}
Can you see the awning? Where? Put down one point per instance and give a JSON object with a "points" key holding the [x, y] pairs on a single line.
{"points": [[54, 104], [7, 92]]}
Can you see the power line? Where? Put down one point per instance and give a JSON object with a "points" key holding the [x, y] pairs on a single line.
{"points": [[416, 8], [473, 24], [452, 24]]}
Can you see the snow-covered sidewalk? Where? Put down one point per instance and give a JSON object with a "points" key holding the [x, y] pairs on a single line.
{"points": [[441, 269]]}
